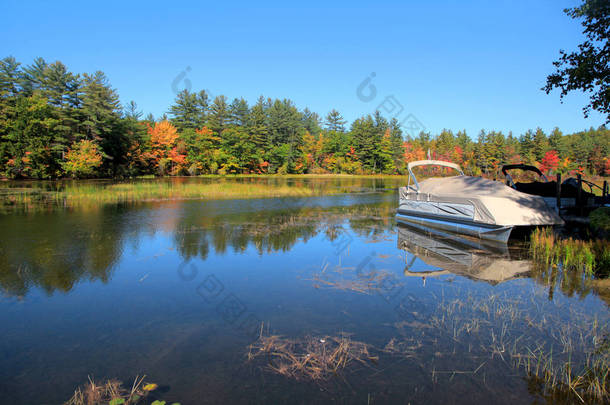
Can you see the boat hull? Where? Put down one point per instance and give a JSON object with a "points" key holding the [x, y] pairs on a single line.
{"points": [[496, 233]]}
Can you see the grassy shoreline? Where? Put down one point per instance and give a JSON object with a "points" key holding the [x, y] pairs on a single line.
{"points": [[145, 192], [72, 193]]}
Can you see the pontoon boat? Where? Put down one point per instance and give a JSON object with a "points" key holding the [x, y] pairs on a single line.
{"points": [[469, 205]]}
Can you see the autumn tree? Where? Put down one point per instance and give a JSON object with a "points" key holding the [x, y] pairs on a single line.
{"points": [[549, 162], [202, 150], [163, 138], [29, 138], [82, 159]]}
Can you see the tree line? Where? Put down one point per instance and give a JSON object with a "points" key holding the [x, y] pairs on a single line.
{"points": [[55, 123]]}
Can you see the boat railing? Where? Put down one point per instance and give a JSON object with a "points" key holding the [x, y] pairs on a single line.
{"points": [[411, 165]]}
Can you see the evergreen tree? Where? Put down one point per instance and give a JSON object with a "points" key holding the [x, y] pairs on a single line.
{"points": [[311, 122], [555, 142], [364, 133], [33, 76], [9, 77], [203, 108], [397, 147], [186, 112], [540, 144], [101, 111], [445, 144], [285, 135], [526, 146], [334, 121], [63, 91], [9, 92], [257, 124], [239, 112], [385, 154], [132, 112], [54, 122], [218, 117]]}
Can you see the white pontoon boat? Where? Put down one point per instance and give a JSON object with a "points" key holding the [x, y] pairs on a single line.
{"points": [[469, 205]]}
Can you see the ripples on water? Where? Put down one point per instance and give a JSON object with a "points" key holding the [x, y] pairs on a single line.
{"points": [[178, 290]]}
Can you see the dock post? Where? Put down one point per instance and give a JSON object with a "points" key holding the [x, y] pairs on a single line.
{"points": [[579, 195], [558, 192], [605, 191]]}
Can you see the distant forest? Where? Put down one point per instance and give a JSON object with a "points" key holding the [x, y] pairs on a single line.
{"points": [[54, 123]]}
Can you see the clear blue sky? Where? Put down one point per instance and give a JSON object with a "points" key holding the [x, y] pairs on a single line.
{"points": [[451, 64]]}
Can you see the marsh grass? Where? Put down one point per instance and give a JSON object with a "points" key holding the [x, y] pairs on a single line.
{"points": [[146, 191], [92, 194], [589, 257], [37, 197]]}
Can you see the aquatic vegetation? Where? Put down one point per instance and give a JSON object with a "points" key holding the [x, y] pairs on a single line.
{"points": [[565, 357], [600, 219], [365, 281], [590, 257], [144, 191], [35, 197], [310, 358], [112, 392], [86, 195], [109, 392]]}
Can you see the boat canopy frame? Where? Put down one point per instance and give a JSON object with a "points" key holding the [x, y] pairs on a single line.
{"points": [[521, 166], [411, 165]]}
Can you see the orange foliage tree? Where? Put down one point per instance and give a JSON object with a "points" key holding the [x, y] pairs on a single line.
{"points": [[413, 152], [163, 139]]}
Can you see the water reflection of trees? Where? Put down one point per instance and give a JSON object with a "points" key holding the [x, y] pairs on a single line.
{"points": [[272, 231], [54, 251]]}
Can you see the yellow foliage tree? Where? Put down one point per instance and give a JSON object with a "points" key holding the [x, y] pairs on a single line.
{"points": [[82, 159]]}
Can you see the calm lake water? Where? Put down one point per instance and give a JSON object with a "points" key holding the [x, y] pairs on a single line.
{"points": [[178, 291]]}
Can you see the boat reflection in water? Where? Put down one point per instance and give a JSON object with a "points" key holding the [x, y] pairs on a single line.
{"points": [[475, 259]]}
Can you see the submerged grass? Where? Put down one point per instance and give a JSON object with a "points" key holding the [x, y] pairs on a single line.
{"points": [[564, 360], [354, 279], [563, 357], [310, 358]]}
